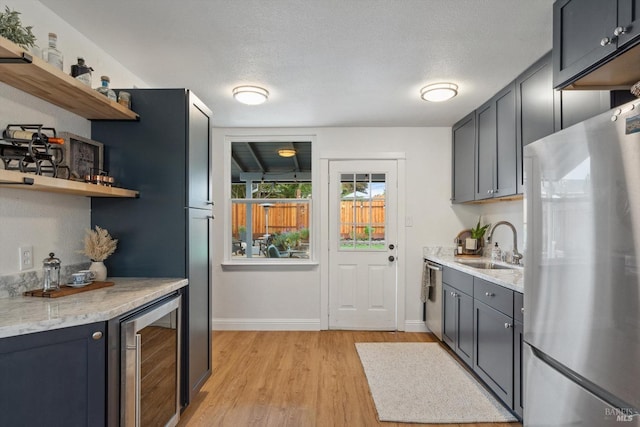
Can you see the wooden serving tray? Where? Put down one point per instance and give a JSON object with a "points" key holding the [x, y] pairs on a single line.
{"points": [[67, 290]]}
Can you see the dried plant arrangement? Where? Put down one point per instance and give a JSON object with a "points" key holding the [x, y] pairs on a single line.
{"points": [[98, 244]]}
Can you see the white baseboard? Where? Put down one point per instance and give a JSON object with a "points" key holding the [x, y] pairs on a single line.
{"points": [[266, 324], [415, 326]]}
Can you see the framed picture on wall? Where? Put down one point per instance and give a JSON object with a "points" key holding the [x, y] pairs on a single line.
{"points": [[82, 155]]}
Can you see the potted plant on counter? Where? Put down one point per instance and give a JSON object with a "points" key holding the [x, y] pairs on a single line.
{"points": [[477, 234]]}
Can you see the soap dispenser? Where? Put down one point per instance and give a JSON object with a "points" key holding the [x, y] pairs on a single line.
{"points": [[51, 267], [496, 253]]}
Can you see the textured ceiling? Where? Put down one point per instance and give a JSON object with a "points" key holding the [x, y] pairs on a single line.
{"points": [[325, 62]]}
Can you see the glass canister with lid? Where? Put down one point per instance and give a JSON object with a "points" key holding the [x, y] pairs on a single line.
{"points": [[51, 269]]}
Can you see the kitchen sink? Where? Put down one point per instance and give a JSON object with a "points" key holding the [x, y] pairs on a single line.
{"points": [[486, 265]]}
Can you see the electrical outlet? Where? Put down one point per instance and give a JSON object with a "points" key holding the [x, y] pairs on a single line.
{"points": [[26, 257]]}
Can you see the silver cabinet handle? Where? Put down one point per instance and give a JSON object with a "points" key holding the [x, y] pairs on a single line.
{"points": [[605, 41], [507, 325], [490, 294], [96, 335], [619, 31], [488, 191], [522, 310]]}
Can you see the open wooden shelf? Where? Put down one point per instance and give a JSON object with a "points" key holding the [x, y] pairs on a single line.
{"points": [[41, 79], [13, 179]]}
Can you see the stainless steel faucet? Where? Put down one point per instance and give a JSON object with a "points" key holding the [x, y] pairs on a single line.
{"points": [[517, 256]]}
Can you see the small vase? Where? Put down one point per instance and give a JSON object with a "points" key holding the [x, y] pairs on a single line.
{"points": [[99, 269]]}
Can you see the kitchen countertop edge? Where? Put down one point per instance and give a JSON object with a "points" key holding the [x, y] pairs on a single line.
{"points": [[25, 315], [510, 279]]}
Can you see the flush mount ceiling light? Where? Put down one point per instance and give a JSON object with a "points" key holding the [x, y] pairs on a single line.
{"points": [[439, 92], [250, 95], [286, 152]]}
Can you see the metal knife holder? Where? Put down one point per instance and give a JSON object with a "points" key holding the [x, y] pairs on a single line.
{"points": [[35, 155]]}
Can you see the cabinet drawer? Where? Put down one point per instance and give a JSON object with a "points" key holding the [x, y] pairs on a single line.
{"points": [[518, 306], [459, 280], [494, 296]]}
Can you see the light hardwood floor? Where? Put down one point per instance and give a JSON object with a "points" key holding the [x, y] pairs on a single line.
{"points": [[295, 379]]}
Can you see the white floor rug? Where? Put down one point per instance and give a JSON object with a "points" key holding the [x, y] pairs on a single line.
{"points": [[421, 383]]}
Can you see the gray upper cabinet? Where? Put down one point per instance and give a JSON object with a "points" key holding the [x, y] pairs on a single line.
{"points": [[496, 146], [589, 33], [199, 179], [463, 143]]}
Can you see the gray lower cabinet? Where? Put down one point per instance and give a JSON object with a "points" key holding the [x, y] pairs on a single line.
{"points": [[457, 328], [494, 350], [54, 378]]}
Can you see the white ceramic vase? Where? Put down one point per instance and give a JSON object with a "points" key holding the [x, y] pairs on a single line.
{"points": [[100, 270]]}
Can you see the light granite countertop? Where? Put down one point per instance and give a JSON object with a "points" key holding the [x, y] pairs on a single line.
{"points": [[509, 278], [24, 315]]}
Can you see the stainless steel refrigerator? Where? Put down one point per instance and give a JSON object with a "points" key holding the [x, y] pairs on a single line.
{"points": [[582, 294]]}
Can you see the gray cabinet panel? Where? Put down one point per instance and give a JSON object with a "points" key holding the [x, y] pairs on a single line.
{"points": [[462, 169], [518, 373], [485, 150], [629, 18], [199, 154], [506, 143], [457, 325], [578, 28], [575, 106], [457, 279], [198, 292], [494, 350], [493, 295], [54, 378]]}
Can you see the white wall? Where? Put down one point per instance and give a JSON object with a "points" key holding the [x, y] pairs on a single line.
{"points": [[49, 222], [281, 297]]}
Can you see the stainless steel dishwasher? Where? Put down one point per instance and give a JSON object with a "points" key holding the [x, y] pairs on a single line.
{"points": [[433, 305]]}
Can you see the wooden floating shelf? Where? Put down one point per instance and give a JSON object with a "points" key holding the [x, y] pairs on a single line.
{"points": [[41, 79], [19, 180]]}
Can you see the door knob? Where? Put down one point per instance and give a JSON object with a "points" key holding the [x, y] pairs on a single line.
{"points": [[96, 335], [392, 246], [392, 258]]}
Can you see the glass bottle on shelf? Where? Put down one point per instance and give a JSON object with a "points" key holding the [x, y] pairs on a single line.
{"points": [[104, 88], [82, 72], [51, 54]]}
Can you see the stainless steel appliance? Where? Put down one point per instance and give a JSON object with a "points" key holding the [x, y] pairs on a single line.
{"points": [[433, 304], [150, 365], [582, 292]]}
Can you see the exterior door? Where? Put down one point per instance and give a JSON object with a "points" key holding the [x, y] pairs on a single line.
{"points": [[362, 244]]}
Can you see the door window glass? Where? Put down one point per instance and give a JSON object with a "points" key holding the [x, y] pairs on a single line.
{"points": [[362, 211]]}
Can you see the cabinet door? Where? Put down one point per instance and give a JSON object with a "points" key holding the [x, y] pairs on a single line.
{"points": [[199, 155], [506, 142], [464, 137], [518, 373], [494, 350], [464, 347], [54, 378], [629, 19], [579, 26], [534, 108], [449, 310], [198, 310], [485, 155]]}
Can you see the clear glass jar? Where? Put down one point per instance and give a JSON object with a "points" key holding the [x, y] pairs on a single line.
{"points": [[124, 98], [51, 269], [104, 88], [51, 54]]}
